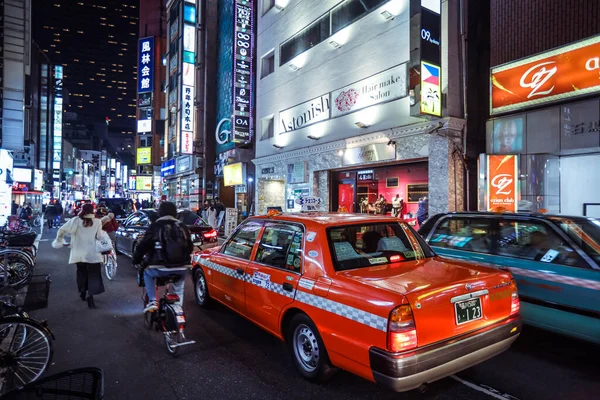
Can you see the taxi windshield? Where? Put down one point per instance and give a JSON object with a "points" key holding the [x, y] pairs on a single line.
{"points": [[585, 232], [371, 244]]}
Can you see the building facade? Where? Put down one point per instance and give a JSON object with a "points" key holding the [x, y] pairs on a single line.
{"points": [[544, 107], [357, 100]]}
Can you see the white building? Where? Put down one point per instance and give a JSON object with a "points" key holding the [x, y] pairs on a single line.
{"points": [[335, 83]]}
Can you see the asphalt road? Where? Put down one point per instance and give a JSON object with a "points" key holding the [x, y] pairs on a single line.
{"points": [[233, 359]]}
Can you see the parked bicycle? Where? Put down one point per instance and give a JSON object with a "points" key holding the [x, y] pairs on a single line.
{"points": [[37, 220], [169, 318], [17, 257], [26, 347]]}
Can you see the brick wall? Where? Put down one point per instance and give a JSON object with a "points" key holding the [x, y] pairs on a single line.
{"points": [[520, 28]]}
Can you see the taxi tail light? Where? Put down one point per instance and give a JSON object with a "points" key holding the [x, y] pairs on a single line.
{"points": [[210, 234], [402, 332], [515, 303]]}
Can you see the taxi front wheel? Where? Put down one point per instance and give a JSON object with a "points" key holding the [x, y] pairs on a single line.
{"points": [[307, 349], [201, 288]]}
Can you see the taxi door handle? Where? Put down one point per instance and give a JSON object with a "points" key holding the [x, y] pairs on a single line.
{"points": [[288, 287], [240, 271]]}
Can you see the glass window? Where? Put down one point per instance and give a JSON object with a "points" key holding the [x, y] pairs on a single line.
{"points": [[468, 234], [584, 232], [133, 220], [535, 241], [369, 245], [267, 128], [281, 247], [267, 65], [306, 39], [241, 244], [346, 13], [267, 5]]}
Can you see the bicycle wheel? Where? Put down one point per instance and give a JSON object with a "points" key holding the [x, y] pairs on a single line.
{"points": [[25, 352], [16, 267], [110, 266]]}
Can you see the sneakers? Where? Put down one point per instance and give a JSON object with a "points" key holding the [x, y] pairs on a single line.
{"points": [[151, 307]]}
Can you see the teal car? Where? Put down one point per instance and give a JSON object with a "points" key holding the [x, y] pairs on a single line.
{"points": [[554, 259]]}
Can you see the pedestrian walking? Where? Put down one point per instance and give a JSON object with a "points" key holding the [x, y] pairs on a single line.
{"points": [[14, 208], [84, 231], [220, 207], [423, 210], [50, 214], [211, 215]]}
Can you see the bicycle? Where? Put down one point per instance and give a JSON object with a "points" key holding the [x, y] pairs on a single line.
{"points": [[110, 264], [26, 347], [169, 318], [75, 384], [16, 267], [37, 220]]}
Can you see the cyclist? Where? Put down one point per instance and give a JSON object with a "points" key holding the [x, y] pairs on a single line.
{"points": [[167, 246]]}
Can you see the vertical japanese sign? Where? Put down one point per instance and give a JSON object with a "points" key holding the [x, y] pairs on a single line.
{"points": [[431, 58], [243, 46], [146, 65], [502, 183], [58, 119], [187, 120]]}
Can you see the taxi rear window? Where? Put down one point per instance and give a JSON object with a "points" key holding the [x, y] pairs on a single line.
{"points": [[371, 244]]}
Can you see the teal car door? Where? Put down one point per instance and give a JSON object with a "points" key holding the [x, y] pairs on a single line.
{"points": [[558, 286]]}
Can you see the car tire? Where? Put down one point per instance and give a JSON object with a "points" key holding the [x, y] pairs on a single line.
{"points": [[307, 350], [201, 288]]}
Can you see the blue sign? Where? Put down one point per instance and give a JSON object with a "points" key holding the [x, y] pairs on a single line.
{"points": [[146, 65], [167, 168], [189, 13]]}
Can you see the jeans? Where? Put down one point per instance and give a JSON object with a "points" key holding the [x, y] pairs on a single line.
{"points": [[150, 275]]}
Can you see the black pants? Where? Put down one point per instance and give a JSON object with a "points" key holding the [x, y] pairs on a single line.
{"points": [[89, 277]]}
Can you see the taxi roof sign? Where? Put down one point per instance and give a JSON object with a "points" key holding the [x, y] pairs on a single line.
{"points": [[309, 203]]}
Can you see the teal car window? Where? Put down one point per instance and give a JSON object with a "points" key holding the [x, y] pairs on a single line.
{"points": [[584, 232], [468, 234], [535, 241]]}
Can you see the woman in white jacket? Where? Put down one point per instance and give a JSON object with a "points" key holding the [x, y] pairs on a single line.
{"points": [[84, 230]]}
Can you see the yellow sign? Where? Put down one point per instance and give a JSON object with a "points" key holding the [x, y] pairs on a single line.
{"points": [[431, 93], [233, 174], [143, 183], [144, 155]]}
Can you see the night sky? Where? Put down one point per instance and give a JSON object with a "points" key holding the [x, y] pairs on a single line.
{"points": [[96, 42]]}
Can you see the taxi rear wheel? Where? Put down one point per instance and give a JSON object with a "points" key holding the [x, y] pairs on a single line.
{"points": [[307, 349], [201, 288]]}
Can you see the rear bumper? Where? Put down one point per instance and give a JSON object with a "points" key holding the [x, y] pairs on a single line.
{"points": [[409, 370]]}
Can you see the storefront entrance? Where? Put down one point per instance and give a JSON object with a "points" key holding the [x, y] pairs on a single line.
{"points": [[373, 190]]}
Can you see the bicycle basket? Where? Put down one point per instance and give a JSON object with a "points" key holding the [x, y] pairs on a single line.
{"points": [[75, 384], [34, 296], [26, 239]]}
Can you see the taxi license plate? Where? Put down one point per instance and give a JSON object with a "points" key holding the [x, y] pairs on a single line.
{"points": [[468, 310]]}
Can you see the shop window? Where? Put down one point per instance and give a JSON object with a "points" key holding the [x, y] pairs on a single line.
{"points": [[241, 244], [267, 128], [281, 247], [268, 64], [467, 234], [535, 241], [267, 5], [415, 192]]}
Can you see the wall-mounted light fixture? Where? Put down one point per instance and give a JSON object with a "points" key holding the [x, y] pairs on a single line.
{"points": [[340, 153], [279, 7], [311, 137], [361, 125], [278, 147], [293, 67], [334, 44], [391, 143], [387, 15]]}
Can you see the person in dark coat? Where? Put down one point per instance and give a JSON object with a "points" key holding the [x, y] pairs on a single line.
{"points": [[423, 210]]}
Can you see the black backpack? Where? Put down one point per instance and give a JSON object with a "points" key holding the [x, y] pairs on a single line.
{"points": [[175, 239]]}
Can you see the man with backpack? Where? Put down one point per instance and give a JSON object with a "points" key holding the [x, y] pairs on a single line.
{"points": [[167, 246]]}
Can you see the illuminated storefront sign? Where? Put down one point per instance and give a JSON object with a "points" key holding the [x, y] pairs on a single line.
{"points": [[188, 74], [431, 57], [559, 74], [38, 179], [58, 117], [132, 183], [143, 183], [234, 174], [167, 168], [144, 126], [243, 50], [187, 120], [144, 155], [146, 65], [502, 183]]}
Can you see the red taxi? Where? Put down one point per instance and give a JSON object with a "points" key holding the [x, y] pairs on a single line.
{"points": [[362, 293]]}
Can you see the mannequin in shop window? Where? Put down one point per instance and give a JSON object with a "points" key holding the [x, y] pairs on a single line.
{"points": [[364, 205], [380, 205], [397, 206]]}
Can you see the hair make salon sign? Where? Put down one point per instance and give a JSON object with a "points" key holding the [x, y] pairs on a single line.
{"points": [[566, 72]]}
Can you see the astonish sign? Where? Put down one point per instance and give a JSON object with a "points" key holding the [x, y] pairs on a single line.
{"points": [[563, 73]]}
